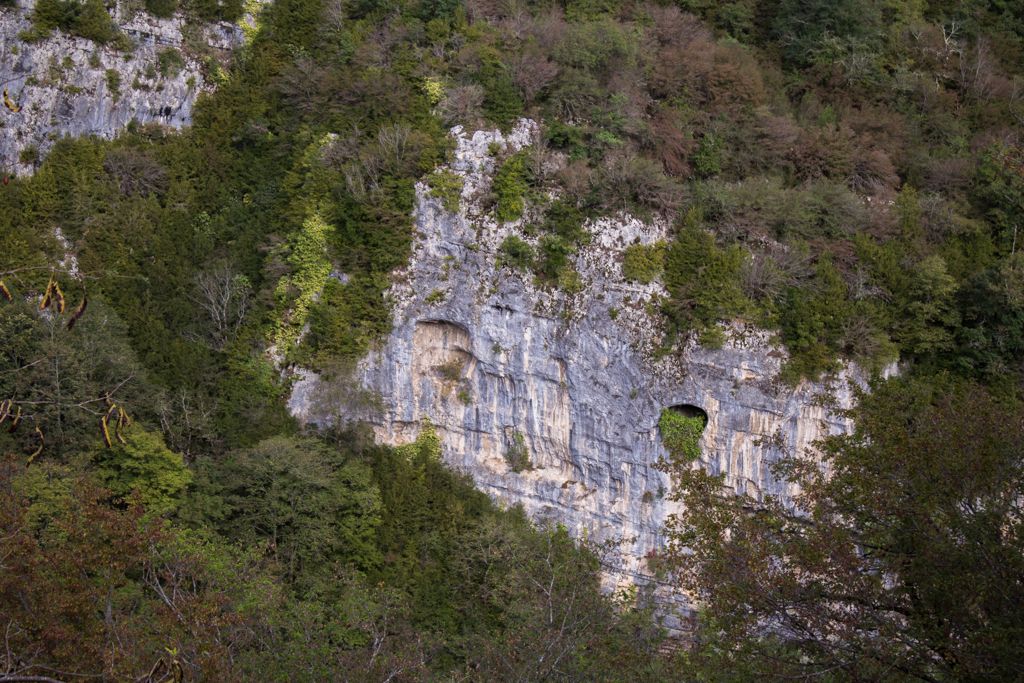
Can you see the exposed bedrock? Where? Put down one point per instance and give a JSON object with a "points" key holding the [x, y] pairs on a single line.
{"points": [[489, 360], [66, 85]]}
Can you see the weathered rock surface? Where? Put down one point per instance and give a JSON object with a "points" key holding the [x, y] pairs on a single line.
{"points": [[484, 355], [63, 88]]}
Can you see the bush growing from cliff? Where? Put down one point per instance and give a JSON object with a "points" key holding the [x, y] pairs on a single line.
{"points": [[216, 10], [170, 62], [703, 281], [451, 370], [163, 9], [517, 454], [552, 259], [643, 263], [113, 79], [511, 183], [88, 19], [446, 186], [680, 435], [515, 253], [30, 155], [564, 219], [812, 320]]}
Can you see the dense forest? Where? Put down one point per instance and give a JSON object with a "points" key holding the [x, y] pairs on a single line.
{"points": [[847, 173]]}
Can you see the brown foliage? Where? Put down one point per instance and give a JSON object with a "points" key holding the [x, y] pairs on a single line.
{"points": [[948, 175], [576, 179], [872, 172], [878, 127], [97, 591], [667, 142], [628, 179], [824, 153], [135, 172], [462, 104], [532, 71]]}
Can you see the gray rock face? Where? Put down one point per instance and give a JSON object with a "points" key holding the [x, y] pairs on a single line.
{"points": [[489, 359], [63, 88]]}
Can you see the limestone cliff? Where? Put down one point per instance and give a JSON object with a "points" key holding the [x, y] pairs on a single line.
{"points": [[67, 85], [491, 360]]}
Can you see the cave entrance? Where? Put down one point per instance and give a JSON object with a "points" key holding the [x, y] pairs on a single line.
{"points": [[680, 427], [688, 410]]}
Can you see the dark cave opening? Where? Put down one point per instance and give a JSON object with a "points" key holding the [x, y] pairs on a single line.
{"points": [[690, 410]]}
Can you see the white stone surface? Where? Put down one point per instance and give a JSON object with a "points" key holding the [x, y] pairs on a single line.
{"points": [[578, 383], [61, 82]]}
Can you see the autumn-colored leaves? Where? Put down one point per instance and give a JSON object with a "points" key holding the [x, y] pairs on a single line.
{"points": [[11, 104], [120, 419], [77, 313], [53, 299]]}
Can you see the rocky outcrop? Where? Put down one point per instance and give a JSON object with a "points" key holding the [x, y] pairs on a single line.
{"points": [[67, 85], [494, 362]]}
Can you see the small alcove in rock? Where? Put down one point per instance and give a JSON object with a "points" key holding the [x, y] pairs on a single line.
{"points": [[680, 427], [687, 410]]}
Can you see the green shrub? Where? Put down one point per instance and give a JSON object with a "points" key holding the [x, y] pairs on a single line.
{"points": [[510, 188], [88, 19], [161, 8], [446, 186], [554, 258], [566, 137], [569, 281], [30, 155], [145, 465], [680, 434], [517, 455], [310, 269], [502, 102], [451, 370], [703, 281], [644, 262], [707, 160], [113, 78], [565, 219], [515, 253], [170, 62], [812, 320], [217, 10]]}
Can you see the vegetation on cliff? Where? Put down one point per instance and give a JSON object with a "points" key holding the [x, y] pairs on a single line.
{"points": [[847, 172], [901, 560]]}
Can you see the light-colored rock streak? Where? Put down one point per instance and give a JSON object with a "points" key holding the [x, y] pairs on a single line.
{"points": [[63, 88], [573, 374]]}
